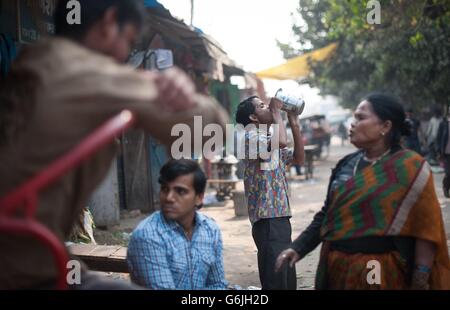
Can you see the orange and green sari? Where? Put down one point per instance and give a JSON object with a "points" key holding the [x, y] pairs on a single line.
{"points": [[393, 197]]}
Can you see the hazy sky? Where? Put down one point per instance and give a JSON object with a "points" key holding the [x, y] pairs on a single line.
{"points": [[246, 29]]}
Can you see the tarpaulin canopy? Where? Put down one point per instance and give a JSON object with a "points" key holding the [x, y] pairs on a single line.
{"points": [[153, 4], [210, 56], [297, 67]]}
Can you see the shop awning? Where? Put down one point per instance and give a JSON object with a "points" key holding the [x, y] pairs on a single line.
{"points": [[297, 67], [216, 61]]}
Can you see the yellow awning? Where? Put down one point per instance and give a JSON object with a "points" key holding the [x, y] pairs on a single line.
{"points": [[297, 67]]}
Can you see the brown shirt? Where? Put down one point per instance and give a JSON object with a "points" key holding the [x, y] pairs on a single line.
{"points": [[77, 91]]}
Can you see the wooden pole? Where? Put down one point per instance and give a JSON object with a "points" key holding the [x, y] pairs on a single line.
{"points": [[192, 12]]}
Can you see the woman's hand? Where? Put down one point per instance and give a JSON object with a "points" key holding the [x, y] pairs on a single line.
{"points": [[424, 256], [420, 280], [287, 256]]}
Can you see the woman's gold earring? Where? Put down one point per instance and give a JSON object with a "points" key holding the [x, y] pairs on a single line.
{"points": [[382, 133]]}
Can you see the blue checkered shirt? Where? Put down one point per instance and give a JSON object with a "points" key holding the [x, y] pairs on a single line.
{"points": [[161, 257]]}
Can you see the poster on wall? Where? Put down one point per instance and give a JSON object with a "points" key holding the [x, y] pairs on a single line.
{"points": [[36, 19]]}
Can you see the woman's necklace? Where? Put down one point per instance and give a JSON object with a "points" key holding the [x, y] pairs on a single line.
{"points": [[371, 161]]}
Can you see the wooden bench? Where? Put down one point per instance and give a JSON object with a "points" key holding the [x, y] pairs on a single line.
{"points": [[106, 258]]}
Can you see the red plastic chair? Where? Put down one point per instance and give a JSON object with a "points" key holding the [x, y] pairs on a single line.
{"points": [[25, 197]]}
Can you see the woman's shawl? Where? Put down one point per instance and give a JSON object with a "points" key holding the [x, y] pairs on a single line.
{"points": [[393, 197]]}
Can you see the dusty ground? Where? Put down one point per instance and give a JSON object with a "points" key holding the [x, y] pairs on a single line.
{"points": [[239, 249]]}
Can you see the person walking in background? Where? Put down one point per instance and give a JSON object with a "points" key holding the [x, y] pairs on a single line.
{"points": [[327, 134], [431, 136], [343, 133], [412, 141], [443, 139], [424, 119]]}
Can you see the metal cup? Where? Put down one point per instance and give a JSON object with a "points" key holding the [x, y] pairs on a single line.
{"points": [[291, 104]]}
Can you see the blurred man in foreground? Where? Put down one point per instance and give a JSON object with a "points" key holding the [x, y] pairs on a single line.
{"points": [[59, 91]]}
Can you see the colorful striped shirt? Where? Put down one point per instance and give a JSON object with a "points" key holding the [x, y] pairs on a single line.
{"points": [[266, 187]]}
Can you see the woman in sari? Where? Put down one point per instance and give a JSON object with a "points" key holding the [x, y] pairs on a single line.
{"points": [[381, 225]]}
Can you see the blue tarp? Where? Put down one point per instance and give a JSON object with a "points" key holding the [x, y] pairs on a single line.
{"points": [[198, 30], [153, 4]]}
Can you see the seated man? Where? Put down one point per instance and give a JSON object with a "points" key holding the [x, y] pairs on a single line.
{"points": [[178, 247]]}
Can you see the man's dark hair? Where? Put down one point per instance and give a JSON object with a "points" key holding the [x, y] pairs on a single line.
{"points": [[92, 11], [244, 110], [175, 168]]}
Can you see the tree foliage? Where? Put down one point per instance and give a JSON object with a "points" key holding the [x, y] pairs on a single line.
{"points": [[407, 54]]}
